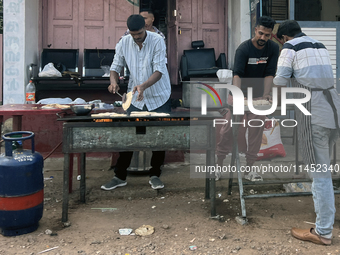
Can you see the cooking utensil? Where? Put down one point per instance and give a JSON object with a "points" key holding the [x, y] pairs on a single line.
{"points": [[82, 109], [122, 96]]}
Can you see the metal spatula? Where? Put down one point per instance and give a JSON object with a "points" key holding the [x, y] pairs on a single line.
{"points": [[122, 96]]}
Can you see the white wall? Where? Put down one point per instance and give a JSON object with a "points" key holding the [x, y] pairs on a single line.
{"points": [[238, 26], [31, 34], [20, 47]]}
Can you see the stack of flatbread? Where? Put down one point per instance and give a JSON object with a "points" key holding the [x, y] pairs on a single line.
{"points": [[258, 102], [108, 115], [146, 114], [56, 106]]}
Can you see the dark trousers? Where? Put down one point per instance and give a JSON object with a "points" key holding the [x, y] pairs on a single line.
{"points": [[157, 158]]}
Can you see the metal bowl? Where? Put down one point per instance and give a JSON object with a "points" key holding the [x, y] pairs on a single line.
{"points": [[82, 109]]}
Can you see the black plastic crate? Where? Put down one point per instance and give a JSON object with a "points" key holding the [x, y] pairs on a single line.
{"points": [[66, 57], [94, 59]]}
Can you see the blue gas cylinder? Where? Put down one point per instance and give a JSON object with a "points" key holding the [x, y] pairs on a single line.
{"points": [[21, 186]]}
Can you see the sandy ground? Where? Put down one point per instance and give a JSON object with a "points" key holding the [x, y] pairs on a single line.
{"points": [[179, 213]]}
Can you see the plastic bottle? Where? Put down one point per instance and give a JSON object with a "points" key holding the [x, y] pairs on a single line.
{"points": [[30, 93]]}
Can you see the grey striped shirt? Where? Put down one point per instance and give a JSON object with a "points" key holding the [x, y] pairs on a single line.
{"points": [[142, 63], [308, 61]]}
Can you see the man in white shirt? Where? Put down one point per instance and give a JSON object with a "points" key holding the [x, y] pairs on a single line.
{"points": [[144, 54], [149, 18]]}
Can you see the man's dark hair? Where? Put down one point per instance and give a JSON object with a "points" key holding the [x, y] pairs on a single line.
{"points": [[148, 10], [289, 27], [266, 21], [135, 22]]}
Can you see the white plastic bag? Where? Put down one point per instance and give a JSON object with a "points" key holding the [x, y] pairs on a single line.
{"points": [[225, 75], [106, 70], [65, 100], [49, 71], [271, 145]]}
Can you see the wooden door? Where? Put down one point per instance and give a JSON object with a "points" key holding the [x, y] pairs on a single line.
{"points": [[172, 41], [211, 24], [198, 20], [62, 17], [85, 24], [202, 20]]}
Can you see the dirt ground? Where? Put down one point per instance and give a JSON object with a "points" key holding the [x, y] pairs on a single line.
{"points": [[179, 214]]}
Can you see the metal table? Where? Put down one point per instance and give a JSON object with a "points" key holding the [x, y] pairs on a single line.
{"points": [[235, 161], [179, 131]]}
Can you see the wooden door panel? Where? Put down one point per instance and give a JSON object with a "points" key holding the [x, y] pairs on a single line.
{"points": [[94, 24], [62, 23], [62, 9], [211, 24], [94, 10], [211, 40], [185, 40], [120, 10], [185, 8], [172, 41], [62, 37], [94, 37], [85, 23], [212, 12]]}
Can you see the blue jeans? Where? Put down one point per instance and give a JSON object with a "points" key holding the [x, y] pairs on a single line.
{"points": [[322, 187]]}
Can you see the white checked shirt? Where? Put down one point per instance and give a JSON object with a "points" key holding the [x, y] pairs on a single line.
{"points": [[142, 63]]}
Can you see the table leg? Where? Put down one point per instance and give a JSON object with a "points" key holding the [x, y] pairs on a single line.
{"points": [[79, 163], [238, 164], [1, 121], [64, 217], [334, 155], [82, 177], [17, 123], [297, 163], [212, 183], [207, 179], [70, 176], [232, 163], [207, 187]]}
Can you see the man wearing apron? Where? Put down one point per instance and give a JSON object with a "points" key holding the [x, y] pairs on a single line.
{"points": [[306, 63]]}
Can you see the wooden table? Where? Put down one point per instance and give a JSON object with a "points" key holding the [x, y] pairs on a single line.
{"points": [[183, 132], [17, 111]]}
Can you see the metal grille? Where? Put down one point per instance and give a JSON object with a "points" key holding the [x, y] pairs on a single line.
{"points": [[277, 9]]}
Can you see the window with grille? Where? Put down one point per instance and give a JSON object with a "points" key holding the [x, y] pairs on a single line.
{"points": [[277, 9]]}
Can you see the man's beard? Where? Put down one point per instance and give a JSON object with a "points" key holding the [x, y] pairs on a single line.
{"points": [[261, 42]]}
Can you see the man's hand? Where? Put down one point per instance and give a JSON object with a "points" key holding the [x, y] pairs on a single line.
{"points": [[267, 97], [113, 88], [140, 89]]}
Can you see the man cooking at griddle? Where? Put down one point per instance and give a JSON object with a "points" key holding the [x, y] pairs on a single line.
{"points": [[144, 53]]}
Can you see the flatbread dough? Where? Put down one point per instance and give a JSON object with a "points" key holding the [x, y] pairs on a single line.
{"points": [[145, 114], [140, 114], [58, 106], [258, 102], [127, 102], [108, 115]]}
